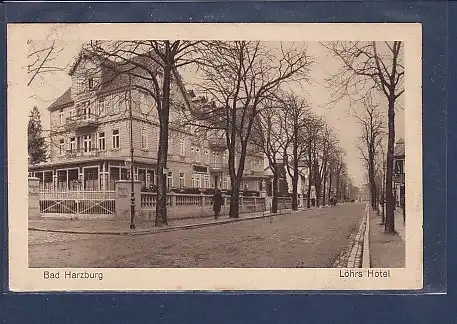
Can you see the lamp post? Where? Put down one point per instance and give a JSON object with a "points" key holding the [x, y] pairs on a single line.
{"points": [[131, 162]]}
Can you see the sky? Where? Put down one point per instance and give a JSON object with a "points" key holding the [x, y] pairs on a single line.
{"points": [[48, 87]]}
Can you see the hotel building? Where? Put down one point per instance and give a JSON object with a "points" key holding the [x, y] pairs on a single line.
{"points": [[90, 137]]}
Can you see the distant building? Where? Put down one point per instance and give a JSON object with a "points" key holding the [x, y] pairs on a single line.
{"points": [[285, 182], [399, 173]]}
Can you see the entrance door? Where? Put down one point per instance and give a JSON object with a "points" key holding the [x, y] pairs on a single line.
{"points": [[216, 182]]}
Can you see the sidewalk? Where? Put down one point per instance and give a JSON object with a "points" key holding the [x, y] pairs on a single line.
{"points": [[120, 227], [399, 225], [386, 250]]}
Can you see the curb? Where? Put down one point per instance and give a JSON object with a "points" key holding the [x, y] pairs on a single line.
{"points": [[366, 260], [355, 256], [159, 230]]}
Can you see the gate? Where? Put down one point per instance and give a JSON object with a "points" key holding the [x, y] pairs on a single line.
{"points": [[74, 203]]}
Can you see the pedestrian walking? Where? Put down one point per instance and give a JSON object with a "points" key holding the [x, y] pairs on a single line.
{"points": [[217, 202]]}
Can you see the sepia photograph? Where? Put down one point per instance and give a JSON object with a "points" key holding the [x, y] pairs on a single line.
{"points": [[251, 156]]}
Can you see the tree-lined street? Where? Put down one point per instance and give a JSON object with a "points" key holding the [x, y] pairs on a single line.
{"points": [[237, 116], [308, 238]]}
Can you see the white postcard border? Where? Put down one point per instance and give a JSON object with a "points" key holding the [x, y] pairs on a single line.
{"points": [[22, 278]]}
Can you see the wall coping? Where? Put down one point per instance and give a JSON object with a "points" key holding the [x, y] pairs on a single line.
{"points": [[127, 181]]}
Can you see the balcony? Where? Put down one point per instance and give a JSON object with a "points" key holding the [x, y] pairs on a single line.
{"points": [[81, 121], [216, 143], [73, 154], [217, 166]]}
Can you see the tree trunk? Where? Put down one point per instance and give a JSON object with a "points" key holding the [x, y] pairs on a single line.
{"points": [[295, 172], [274, 202], [372, 187], [162, 156], [330, 186], [308, 194], [390, 202], [317, 185], [235, 201], [295, 191], [161, 205], [324, 186], [337, 187]]}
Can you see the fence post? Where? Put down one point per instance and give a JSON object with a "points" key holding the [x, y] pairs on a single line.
{"points": [[202, 202], [173, 204], [34, 199], [123, 188]]}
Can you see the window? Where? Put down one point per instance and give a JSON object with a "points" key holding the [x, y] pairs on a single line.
{"points": [[91, 83], [399, 166], [87, 141], [85, 110], [196, 180], [182, 182], [79, 85], [101, 141], [101, 107], [61, 116], [72, 144], [225, 183], [206, 183], [181, 148], [116, 139], [169, 179], [144, 139], [61, 146]]}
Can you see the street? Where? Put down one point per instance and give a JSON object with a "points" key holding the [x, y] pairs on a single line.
{"points": [[309, 238]]}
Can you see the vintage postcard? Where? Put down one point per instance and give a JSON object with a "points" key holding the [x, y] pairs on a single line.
{"points": [[170, 157]]}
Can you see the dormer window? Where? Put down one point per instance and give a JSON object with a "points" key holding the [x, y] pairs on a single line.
{"points": [[91, 83]]}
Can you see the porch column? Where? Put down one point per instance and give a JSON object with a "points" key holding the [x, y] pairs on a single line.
{"points": [[81, 178], [108, 173], [54, 179]]}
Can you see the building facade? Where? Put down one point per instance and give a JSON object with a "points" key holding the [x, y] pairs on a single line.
{"points": [[90, 145], [285, 182]]}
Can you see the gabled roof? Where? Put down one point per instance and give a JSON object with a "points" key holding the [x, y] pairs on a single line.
{"points": [[64, 100]]}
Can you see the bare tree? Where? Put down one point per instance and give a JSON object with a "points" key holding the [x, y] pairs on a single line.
{"points": [[313, 129], [42, 59], [368, 67], [335, 166], [322, 146], [268, 135], [295, 121], [153, 67], [339, 170], [239, 77], [371, 122]]}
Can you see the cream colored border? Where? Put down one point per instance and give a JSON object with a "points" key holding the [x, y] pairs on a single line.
{"points": [[21, 278]]}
